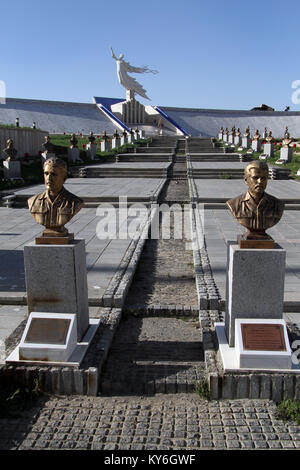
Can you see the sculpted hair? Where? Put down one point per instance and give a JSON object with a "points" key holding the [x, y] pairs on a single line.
{"points": [[257, 165]]}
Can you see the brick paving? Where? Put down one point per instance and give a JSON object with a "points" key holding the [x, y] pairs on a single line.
{"points": [[181, 421]]}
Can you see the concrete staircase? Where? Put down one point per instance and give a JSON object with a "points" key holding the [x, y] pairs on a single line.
{"points": [[202, 145], [219, 157]]}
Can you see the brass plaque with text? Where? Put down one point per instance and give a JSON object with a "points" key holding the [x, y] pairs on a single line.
{"points": [[263, 337], [48, 331]]}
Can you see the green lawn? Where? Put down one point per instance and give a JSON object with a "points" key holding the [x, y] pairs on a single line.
{"points": [[32, 170], [294, 165]]}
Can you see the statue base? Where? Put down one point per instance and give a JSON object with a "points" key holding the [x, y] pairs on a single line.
{"points": [[254, 285], [258, 244], [53, 237], [44, 240], [56, 281]]}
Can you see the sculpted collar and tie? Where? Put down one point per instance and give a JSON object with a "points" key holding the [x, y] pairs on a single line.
{"points": [[54, 214], [256, 216]]}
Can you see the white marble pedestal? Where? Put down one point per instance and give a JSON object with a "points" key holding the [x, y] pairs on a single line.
{"points": [[116, 142], [254, 285], [56, 281], [105, 147], [12, 170], [256, 145], [269, 149], [131, 138], [74, 155], [286, 154], [91, 150], [245, 142], [237, 140]]}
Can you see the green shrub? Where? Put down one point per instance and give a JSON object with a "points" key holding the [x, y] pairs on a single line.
{"points": [[289, 410]]}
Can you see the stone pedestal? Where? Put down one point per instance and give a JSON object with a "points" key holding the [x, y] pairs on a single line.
{"points": [[225, 138], [231, 139], [141, 134], [256, 145], [105, 147], [254, 285], [245, 142], [116, 142], [237, 140], [269, 149], [12, 170], [91, 150], [286, 154], [74, 155], [46, 155], [124, 140], [131, 138], [56, 281], [220, 136]]}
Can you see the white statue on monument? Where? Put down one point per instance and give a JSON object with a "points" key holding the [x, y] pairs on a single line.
{"points": [[128, 82]]}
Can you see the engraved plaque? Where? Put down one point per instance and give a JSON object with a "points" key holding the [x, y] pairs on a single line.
{"points": [[263, 337], [48, 331]]}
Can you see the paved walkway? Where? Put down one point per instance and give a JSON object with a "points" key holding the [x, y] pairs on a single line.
{"points": [[224, 189], [108, 188], [19, 229], [160, 423]]}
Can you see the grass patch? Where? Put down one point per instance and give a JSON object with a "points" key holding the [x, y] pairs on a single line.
{"points": [[202, 389], [14, 402], [289, 410], [32, 166]]}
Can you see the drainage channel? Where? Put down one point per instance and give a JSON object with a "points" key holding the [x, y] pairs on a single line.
{"points": [[158, 345]]}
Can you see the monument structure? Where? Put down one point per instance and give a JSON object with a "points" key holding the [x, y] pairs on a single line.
{"points": [[11, 164], [256, 143], [246, 138], [237, 137], [91, 146], [268, 145], [130, 110], [286, 152], [56, 278], [55, 206], [73, 150], [105, 147], [116, 141], [255, 333], [48, 148]]}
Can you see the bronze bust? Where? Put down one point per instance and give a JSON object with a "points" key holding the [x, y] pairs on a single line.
{"points": [[91, 138], [105, 137], [247, 132], [256, 210], [269, 137], [48, 147], [73, 141], [10, 151], [256, 135], [287, 139], [56, 206]]}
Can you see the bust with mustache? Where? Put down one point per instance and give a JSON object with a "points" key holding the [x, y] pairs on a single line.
{"points": [[256, 210]]}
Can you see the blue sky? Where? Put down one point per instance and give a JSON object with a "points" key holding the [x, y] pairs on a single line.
{"points": [[210, 54]]}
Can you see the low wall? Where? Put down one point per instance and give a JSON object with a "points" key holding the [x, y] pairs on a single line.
{"points": [[25, 140]]}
